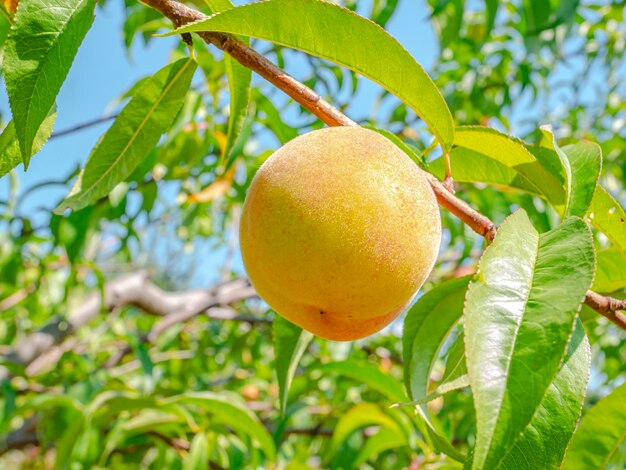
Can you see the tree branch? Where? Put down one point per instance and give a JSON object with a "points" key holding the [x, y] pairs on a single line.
{"points": [[180, 14], [132, 289], [83, 125]]}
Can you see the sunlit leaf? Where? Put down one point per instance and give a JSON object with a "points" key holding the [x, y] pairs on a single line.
{"points": [[608, 216], [426, 326], [610, 271], [543, 442], [519, 314], [585, 159], [10, 154], [513, 154], [602, 432], [133, 135], [239, 79], [38, 55], [290, 342], [339, 35]]}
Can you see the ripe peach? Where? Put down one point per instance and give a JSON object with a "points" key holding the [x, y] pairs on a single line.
{"points": [[339, 230]]}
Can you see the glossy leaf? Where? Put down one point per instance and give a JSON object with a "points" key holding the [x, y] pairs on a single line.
{"points": [[544, 441], [38, 55], [519, 314], [341, 36], [10, 154], [608, 216], [290, 342], [426, 326], [600, 435], [133, 135], [604, 212]]}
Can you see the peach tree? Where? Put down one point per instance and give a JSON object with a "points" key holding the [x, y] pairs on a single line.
{"points": [[123, 347]]}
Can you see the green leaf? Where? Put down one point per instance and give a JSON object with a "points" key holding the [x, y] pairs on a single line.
{"points": [[227, 409], [133, 135], [290, 342], [370, 375], [198, 456], [273, 118], [382, 11], [239, 80], [513, 154], [426, 326], [39, 52], [519, 314], [361, 416], [440, 442], [456, 365], [10, 154], [600, 435], [491, 11], [585, 159], [469, 166], [448, 386], [610, 271], [341, 36], [384, 439], [544, 441], [557, 161], [608, 216], [65, 443], [145, 421]]}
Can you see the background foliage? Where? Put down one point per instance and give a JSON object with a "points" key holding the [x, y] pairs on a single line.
{"points": [[208, 389]]}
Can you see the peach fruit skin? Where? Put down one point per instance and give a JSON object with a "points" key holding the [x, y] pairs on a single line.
{"points": [[339, 230]]}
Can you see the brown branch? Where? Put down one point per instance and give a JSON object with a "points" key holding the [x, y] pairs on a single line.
{"points": [[15, 298], [609, 307], [180, 14], [230, 292], [132, 289]]}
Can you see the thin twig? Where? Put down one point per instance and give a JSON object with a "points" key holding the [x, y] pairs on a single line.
{"points": [[180, 14], [132, 289], [83, 125]]}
